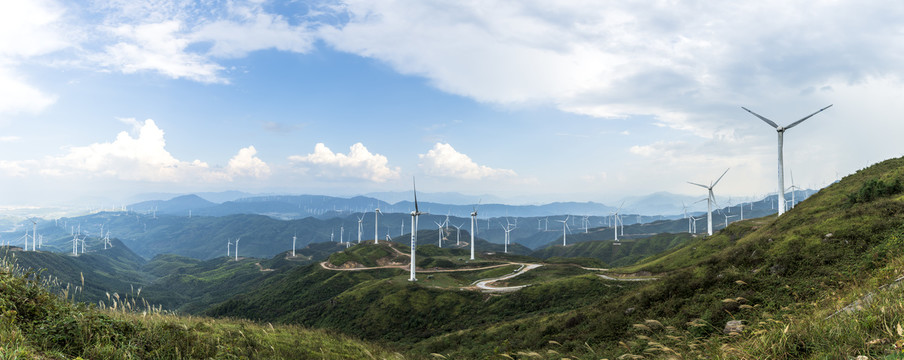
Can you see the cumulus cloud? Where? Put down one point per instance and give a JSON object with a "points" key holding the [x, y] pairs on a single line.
{"points": [[131, 158], [144, 158], [444, 160], [359, 163], [246, 164]]}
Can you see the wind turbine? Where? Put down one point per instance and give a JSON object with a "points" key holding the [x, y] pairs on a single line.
{"points": [[414, 217], [294, 236], [683, 205], [793, 189], [228, 247], [564, 229], [376, 226], [458, 234], [440, 233], [75, 244], [695, 223], [473, 223], [237, 249], [709, 201], [34, 235], [360, 227], [728, 217], [781, 133], [617, 220], [507, 228]]}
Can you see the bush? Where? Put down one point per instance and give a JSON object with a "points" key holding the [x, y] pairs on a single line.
{"points": [[873, 189]]}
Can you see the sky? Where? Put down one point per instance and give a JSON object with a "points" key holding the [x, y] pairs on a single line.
{"points": [[530, 101]]}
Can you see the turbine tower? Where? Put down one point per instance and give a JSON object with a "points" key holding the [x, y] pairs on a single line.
{"points": [[473, 223], [294, 236], [237, 249], [617, 220], [414, 217], [360, 227], [564, 229], [458, 234], [781, 133], [710, 199], [440, 234], [376, 226], [507, 228]]}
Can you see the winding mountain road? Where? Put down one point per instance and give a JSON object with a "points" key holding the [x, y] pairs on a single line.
{"points": [[485, 284]]}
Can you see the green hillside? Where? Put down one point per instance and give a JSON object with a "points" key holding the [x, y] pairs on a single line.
{"points": [[96, 273], [771, 273], [627, 252], [35, 324]]}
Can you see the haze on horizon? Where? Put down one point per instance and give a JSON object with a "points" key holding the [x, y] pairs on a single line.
{"points": [[574, 101]]}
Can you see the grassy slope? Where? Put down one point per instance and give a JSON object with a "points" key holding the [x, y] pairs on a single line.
{"points": [[35, 324], [114, 270], [628, 252], [763, 271]]}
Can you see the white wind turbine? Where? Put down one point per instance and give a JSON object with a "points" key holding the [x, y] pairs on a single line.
{"points": [[793, 188], [376, 226], [414, 217], [508, 229], [237, 249], [618, 220], [458, 234], [294, 236], [228, 247], [360, 227], [695, 223], [75, 244], [686, 217], [710, 199], [564, 230], [440, 233], [473, 223], [781, 133], [728, 217]]}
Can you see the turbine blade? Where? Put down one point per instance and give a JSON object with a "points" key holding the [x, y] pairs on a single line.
{"points": [[770, 122], [805, 118], [700, 185], [414, 186], [720, 177]]}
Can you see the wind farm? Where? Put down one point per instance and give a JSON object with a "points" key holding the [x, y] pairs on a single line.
{"points": [[137, 138]]}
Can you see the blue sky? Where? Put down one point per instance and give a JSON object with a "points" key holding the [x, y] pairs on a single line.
{"points": [[528, 101]]}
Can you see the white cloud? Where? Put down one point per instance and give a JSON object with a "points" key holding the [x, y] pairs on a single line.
{"points": [[685, 65], [13, 168], [255, 30], [359, 163], [28, 29], [9, 138], [187, 40], [443, 160], [159, 47], [144, 158], [246, 164], [131, 158]]}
